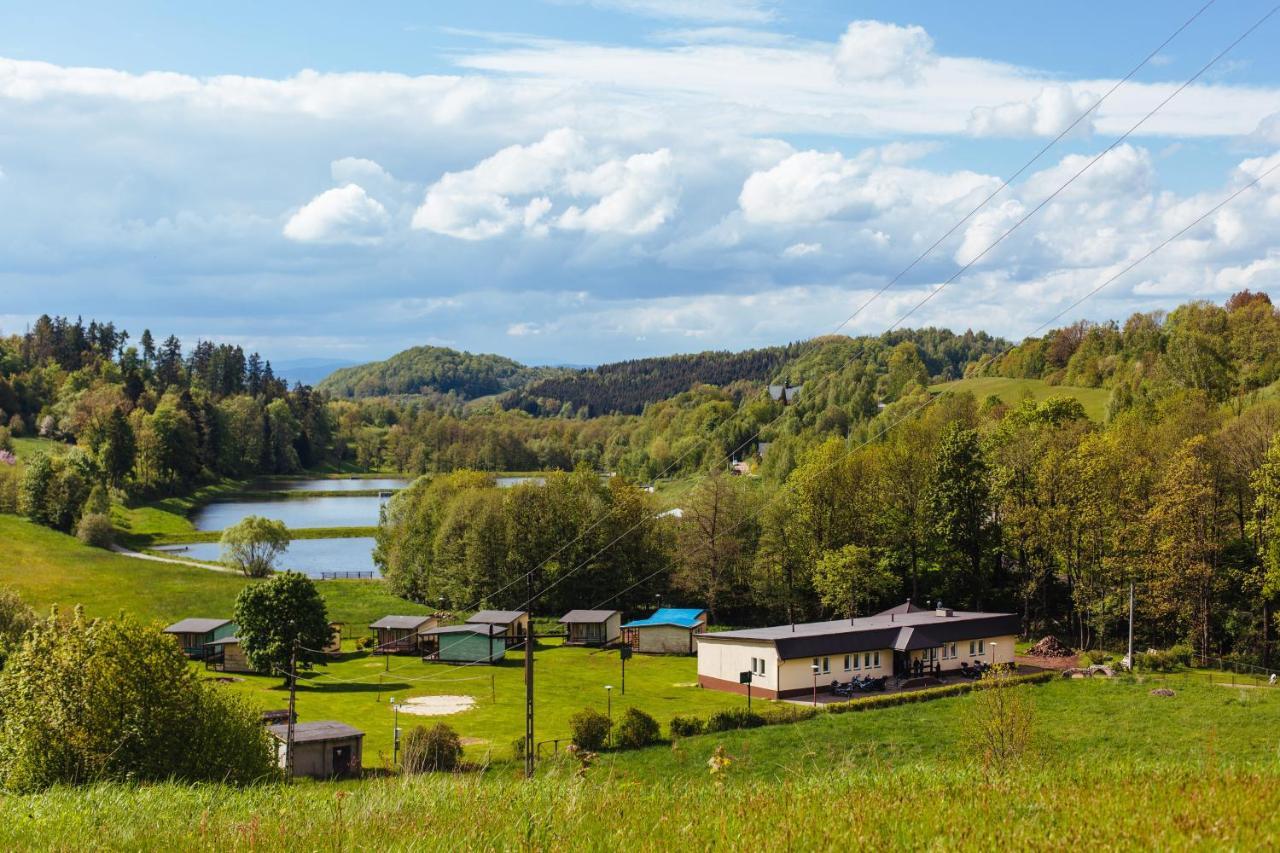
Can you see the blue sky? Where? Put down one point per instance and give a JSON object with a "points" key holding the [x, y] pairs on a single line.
{"points": [[587, 181]]}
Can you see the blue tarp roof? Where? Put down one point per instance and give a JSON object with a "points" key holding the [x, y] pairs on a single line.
{"points": [[681, 617]]}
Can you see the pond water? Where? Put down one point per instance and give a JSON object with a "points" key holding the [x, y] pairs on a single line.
{"points": [[337, 511], [508, 482], [348, 484], [309, 556]]}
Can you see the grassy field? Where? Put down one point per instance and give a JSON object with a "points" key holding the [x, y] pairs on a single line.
{"points": [[25, 448], [51, 568], [1012, 391], [1195, 771], [356, 689]]}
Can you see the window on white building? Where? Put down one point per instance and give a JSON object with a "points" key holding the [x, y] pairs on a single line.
{"points": [[826, 665], [972, 648], [847, 665], [953, 649], [982, 647], [877, 659]]}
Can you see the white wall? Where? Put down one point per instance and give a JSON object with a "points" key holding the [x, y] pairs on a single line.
{"points": [[726, 661]]}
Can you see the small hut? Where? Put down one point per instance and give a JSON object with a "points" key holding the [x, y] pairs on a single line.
{"points": [[399, 634], [514, 623], [469, 643], [226, 655], [195, 635], [669, 631], [592, 627], [322, 750]]}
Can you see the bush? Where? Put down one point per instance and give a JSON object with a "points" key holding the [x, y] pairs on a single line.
{"points": [[788, 714], [1094, 658], [435, 748], [6, 439], [889, 700], [95, 529], [590, 729], [734, 718], [111, 700], [637, 729], [1156, 660], [366, 643], [10, 485], [686, 726]]}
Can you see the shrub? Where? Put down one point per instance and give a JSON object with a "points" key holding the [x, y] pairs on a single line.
{"points": [[999, 721], [435, 748], [590, 729], [10, 485], [371, 642], [734, 718], [1181, 654], [788, 714], [16, 618], [111, 700], [95, 529], [637, 729], [1094, 658], [686, 726], [6, 439]]}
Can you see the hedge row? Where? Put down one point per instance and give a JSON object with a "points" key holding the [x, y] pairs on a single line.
{"points": [[740, 718], [889, 700]]}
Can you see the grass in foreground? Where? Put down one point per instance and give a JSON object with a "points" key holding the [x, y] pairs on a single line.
{"points": [[1011, 391], [48, 568]]}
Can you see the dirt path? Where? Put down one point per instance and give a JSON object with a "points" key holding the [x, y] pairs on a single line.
{"points": [[120, 549]]}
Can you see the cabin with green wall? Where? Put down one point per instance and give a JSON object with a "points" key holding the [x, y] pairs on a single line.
{"points": [[464, 644]]}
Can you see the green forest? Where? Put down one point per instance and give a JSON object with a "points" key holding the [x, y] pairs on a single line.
{"points": [[862, 488]]}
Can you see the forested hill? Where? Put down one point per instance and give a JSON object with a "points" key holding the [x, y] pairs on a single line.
{"points": [[626, 387], [426, 369]]}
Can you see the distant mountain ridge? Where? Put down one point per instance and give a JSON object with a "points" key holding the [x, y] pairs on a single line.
{"points": [[427, 369]]}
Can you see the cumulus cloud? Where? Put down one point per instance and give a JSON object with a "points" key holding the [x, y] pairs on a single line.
{"points": [[344, 214], [873, 50], [514, 188], [799, 250], [1049, 113]]}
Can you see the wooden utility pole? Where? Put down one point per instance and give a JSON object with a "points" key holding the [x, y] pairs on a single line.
{"points": [[528, 682], [293, 690], [1131, 625]]}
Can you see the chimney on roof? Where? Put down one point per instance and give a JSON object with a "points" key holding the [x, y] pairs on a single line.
{"points": [[939, 610]]}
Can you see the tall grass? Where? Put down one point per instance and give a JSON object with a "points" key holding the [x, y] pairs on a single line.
{"points": [[1112, 806]]}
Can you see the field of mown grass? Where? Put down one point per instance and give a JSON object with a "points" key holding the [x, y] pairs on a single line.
{"points": [[48, 568], [1196, 771], [1012, 391]]}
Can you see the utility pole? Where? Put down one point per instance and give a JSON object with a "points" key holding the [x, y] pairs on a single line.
{"points": [[528, 682], [1130, 658], [293, 690]]}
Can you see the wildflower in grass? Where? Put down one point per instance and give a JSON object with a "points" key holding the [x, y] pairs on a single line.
{"points": [[719, 762]]}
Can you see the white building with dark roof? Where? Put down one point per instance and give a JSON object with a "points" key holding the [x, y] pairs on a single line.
{"points": [[513, 624], [782, 658]]}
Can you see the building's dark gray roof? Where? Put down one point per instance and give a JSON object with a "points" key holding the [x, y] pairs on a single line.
{"points": [[589, 617], [401, 622], [196, 626], [892, 629], [495, 617], [313, 732], [225, 641], [469, 628]]}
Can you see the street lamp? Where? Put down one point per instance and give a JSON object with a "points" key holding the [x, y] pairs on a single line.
{"points": [[657, 597], [814, 667], [395, 732], [992, 655], [608, 692]]}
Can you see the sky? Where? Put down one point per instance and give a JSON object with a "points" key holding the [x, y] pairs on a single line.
{"points": [[582, 181]]}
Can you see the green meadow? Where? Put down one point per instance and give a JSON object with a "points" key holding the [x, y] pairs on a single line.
{"points": [[1012, 391]]}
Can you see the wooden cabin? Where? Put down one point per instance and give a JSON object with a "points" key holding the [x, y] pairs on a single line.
{"points": [[592, 627], [399, 634], [514, 623], [195, 635], [465, 644], [226, 655]]}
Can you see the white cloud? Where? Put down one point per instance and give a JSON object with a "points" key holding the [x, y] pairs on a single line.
{"points": [[520, 330], [514, 189], [799, 250], [344, 214], [1049, 113], [636, 195], [872, 50], [358, 170]]}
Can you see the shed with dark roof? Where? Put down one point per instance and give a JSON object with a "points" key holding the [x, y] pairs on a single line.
{"points": [[467, 644], [398, 634], [321, 750], [592, 627]]}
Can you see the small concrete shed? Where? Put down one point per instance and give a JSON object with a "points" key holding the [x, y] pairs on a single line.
{"points": [[669, 631], [321, 750]]}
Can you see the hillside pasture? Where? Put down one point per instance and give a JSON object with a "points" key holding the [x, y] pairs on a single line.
{"points": [[1012, 391]]}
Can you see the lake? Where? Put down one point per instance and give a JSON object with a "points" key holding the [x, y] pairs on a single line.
{"points": [[508, 482], [336, 511], [308, 556], [347, 484]]}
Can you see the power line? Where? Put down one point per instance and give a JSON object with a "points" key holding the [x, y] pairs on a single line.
{"points": [[1004, 184]]}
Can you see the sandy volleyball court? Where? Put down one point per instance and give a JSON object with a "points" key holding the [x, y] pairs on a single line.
{"points": [[437, 706]]}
